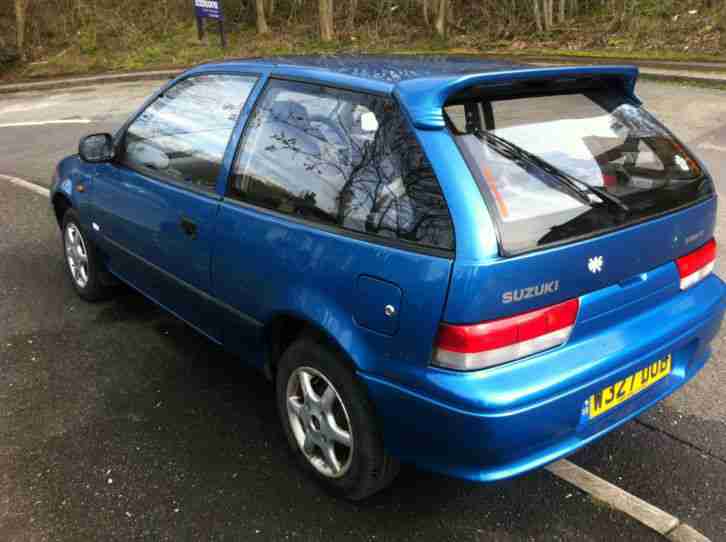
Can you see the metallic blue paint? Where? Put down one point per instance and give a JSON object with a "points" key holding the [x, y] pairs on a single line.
{"points": [[250, 266], [627, 253], [500, 422], [375, 296], [266, 264]]}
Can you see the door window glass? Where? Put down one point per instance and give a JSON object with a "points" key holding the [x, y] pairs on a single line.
{"points": [[183, 135], [340, 158]]}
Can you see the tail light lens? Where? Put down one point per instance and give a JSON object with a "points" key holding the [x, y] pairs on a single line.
{"points": [[696, 266], [476, 346]]}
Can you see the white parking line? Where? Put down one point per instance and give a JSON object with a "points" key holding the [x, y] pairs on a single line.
{"points": [[27, 185], [45, 122], [651, 516], [712, 147], [662, 522]]}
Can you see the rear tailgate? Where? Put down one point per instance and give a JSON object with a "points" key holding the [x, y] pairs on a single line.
{"points": [[629, 265]]}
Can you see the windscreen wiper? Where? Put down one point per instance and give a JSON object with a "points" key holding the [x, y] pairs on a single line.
{"points": [[580, 189]]}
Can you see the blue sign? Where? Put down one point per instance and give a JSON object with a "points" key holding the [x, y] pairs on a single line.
{"points": [[208, 9]]}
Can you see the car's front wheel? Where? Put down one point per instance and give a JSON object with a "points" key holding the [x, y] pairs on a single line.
{"points": [[329, 421], [82, 262]]}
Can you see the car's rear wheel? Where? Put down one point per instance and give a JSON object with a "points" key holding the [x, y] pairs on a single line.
{"points": [[82, 262], [329, 421]]}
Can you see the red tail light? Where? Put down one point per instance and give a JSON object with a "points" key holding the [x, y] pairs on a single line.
{"points": [[476, 346], [696, 266]]}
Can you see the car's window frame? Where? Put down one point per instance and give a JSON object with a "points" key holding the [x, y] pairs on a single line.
{"points": [[400, 244], [120, 136]]}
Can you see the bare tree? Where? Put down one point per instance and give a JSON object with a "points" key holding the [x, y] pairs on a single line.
{"points": [[441, 18], [548, 14], [425, 10], [327, 31], [352, 8], [537, 15], [21, 12], [262, 27]]}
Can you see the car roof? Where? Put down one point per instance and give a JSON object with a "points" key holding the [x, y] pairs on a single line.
{"points": [[385, 68], [422, 82]]}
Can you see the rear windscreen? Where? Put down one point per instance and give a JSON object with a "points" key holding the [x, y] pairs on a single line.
{"points": [[559, 167]]}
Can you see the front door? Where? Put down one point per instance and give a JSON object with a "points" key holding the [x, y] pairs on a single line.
{"points": [[154, 208]]}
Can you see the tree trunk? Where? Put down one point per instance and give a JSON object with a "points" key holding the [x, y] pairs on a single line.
{"points": [[326, 20], [425, 8], [549, 18], [352, 8], [270, 8], [262, 27], [537, 15], [563, 5], [441, 19], [21, 11]]}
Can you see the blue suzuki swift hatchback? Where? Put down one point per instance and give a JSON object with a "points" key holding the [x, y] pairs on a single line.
{"points": [[475, 267]]}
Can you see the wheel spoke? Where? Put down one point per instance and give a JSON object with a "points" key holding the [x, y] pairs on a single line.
{"points": [[308, 444], [306, 384], [295, 406], [328, 399], [331, 459], [341, 436]]}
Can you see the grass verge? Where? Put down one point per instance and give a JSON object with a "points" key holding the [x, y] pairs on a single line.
{"points": [[180, 48]]}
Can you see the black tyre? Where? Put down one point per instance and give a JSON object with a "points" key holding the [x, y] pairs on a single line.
{"points": [[329, 421], [82, 262]]}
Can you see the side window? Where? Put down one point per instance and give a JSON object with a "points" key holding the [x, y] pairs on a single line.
{"points": [[182, 135], [341, 158]]}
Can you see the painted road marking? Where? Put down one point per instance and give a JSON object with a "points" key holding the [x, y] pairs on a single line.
{"points": [[27, 185], [45, 123], [662, 522], [712, 147]]}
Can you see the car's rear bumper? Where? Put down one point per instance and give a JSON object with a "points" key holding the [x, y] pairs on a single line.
{"points": [[495, 424]]}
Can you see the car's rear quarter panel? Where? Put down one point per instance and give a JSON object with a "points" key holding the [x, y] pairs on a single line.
{"points": [[266, 265]]}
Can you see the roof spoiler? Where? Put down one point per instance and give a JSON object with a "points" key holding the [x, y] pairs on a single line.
{"points": [[425, 98]]}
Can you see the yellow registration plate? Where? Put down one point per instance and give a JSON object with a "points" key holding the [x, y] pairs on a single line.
{"points": [[623, 390]]}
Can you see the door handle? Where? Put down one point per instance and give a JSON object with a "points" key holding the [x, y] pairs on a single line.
{"points": [[189, 227]]}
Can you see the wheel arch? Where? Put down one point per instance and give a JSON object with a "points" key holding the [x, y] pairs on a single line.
{"points": [[61, 204], [286, 327]]}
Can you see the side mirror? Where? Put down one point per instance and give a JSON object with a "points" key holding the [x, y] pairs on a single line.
{"points": [[96, 148]]}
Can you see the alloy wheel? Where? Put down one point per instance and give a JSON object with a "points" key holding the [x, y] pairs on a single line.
{"points": [[320, 422], [76, 255]]}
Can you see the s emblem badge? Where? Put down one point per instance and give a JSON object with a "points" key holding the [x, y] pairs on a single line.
{"points": [[595, 264]]}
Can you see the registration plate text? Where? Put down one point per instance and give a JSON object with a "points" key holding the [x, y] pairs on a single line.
{"points": [[621, 391]]}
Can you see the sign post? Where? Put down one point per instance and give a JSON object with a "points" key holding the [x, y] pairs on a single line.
{"points": [[209, 9]]}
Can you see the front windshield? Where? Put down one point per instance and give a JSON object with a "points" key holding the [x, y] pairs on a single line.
{"points": [[598, 138]]}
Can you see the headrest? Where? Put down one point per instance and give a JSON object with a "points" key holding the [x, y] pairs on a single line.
{"points": [[291, 113]]}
